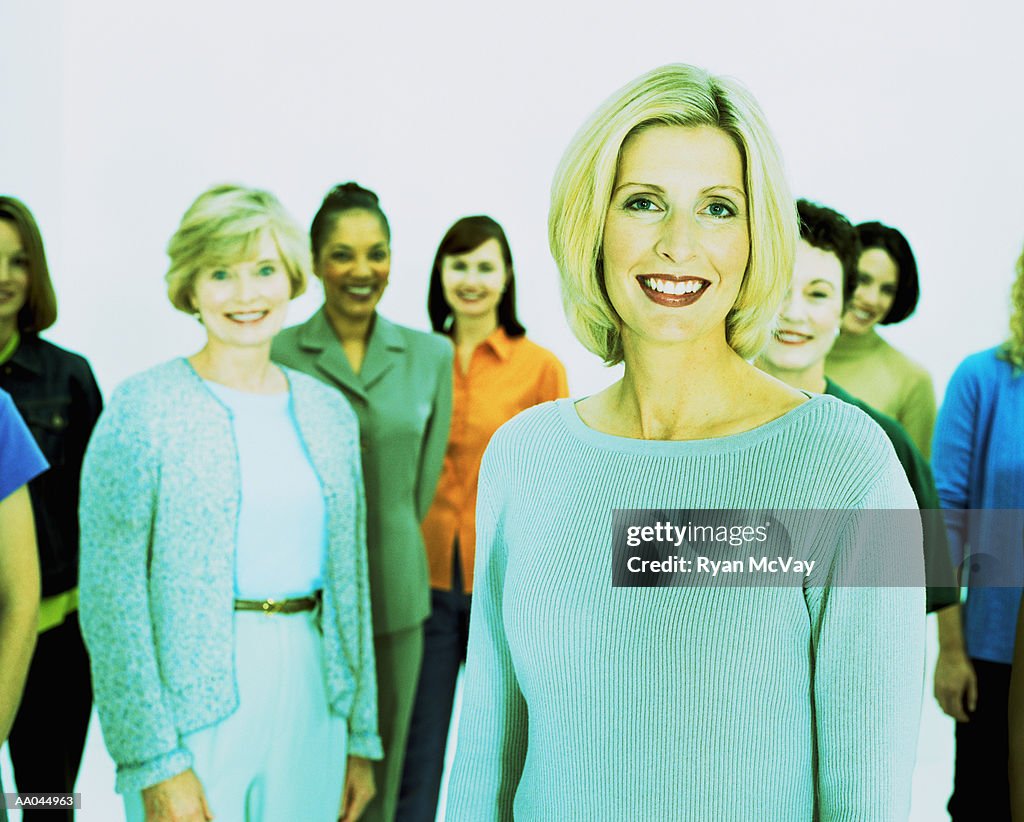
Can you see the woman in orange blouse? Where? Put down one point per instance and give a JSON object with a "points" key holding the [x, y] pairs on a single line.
{"points": [[498, 373]]}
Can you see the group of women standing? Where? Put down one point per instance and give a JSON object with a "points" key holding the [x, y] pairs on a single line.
{"points": [[292, 539], [254, 579]]}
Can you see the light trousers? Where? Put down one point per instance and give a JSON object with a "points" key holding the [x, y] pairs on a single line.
{"points": [[282, 754]]}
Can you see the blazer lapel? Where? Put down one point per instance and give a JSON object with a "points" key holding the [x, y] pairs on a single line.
{"points": [[385, 346], [318, 337]]}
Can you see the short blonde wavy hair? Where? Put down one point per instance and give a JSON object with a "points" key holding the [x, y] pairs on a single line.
{"points": [[224, 225], [678, 95], [1013, 349]]}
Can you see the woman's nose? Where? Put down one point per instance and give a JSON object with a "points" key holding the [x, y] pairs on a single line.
{"points": [[793, 308], [678, 237]]}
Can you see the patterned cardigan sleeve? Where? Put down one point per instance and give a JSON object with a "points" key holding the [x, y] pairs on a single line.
{"points": [[120, 477]]}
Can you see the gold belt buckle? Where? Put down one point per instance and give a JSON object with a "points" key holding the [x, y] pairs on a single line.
{"points": [[272, 606]]}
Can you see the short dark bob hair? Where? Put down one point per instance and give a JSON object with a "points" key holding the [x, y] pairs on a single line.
{"points": [[826, 229], [466, 235], [40, 309], [893, 243]]}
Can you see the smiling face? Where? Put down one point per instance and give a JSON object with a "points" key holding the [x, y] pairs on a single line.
{"points": [[809, 318], [676, 240], [354, 263], [877, 279], [243, 303], [474, 282], [13, 276]]}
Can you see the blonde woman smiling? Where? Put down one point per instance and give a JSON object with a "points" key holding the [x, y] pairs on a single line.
{"points": [[674, 232], [224, 591]]}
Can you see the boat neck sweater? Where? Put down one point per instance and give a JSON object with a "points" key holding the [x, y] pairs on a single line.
{"points": [[588, 702]]}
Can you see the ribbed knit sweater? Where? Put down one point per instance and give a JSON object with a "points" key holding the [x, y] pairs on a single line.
{"points": [[588, 702]]}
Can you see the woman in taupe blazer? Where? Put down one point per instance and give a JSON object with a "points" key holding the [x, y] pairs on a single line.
{"points": [[399, 381]]}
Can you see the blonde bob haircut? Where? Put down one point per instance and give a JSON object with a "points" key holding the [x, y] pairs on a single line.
{"points": [[224, 226], [1013, 349], [673, 95]]}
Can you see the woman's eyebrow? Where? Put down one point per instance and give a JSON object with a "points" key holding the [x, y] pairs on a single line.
{"points": [[651, 186], [724, 187]]}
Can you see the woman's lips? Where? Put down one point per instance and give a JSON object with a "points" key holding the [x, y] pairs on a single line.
{"points": [[247, 317], [792, 337], [673, 292], [361, 292]]}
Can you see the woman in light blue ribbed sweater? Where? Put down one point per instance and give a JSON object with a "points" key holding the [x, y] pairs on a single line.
{"points": [[674, 233]]}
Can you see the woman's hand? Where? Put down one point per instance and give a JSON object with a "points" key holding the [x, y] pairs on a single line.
{"points": [[359, 789], [956, 684], [178, 799]]}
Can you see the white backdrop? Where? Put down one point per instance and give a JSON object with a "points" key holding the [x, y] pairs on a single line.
{"points": [[115, 115]]}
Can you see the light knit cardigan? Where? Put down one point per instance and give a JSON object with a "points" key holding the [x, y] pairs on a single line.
{"points": [[159, 512]]}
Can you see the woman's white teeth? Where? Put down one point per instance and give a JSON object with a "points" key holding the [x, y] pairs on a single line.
{"points": [[248, 317], [674, 287], [863, 315], [791, 337], [359, 290]]}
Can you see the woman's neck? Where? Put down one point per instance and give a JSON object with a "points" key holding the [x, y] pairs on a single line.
{"points": [[469, 332], [676, 392], [348, 329], [7, 330], [807, 379], [244, 369]]}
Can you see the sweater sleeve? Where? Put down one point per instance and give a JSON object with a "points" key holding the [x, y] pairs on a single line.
{"points": [[118, 503], [363, 739], [435, 439], [952, 459], [868, 661], [493, 726]]}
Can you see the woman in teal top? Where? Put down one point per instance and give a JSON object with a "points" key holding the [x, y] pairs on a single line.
{"points": [[674, 231]]}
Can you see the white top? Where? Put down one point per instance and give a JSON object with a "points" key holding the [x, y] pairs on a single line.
{"points": [[281, 543]]}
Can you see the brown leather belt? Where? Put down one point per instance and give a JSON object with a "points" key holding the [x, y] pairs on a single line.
{"points": [[279, 606]]}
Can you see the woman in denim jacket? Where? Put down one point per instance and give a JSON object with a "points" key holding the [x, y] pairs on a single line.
{"points": [[56, 393]]}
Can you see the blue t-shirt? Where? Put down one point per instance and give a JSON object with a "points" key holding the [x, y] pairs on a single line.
{"points": [[20, 457]]}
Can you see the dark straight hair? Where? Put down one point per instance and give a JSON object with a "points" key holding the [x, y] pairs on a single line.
{"points": [[466, 235], [40, 309], [893, 243]]}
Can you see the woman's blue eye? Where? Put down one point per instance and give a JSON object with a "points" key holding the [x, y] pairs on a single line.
{"points": [[267, 271], [720, 210], [219, 274], [640, 204]]}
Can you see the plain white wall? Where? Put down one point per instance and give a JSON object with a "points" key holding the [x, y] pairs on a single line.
{"points": [[115, 115]]}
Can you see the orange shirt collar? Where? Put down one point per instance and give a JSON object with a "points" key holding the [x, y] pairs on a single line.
{"points": [[499, 343]]}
